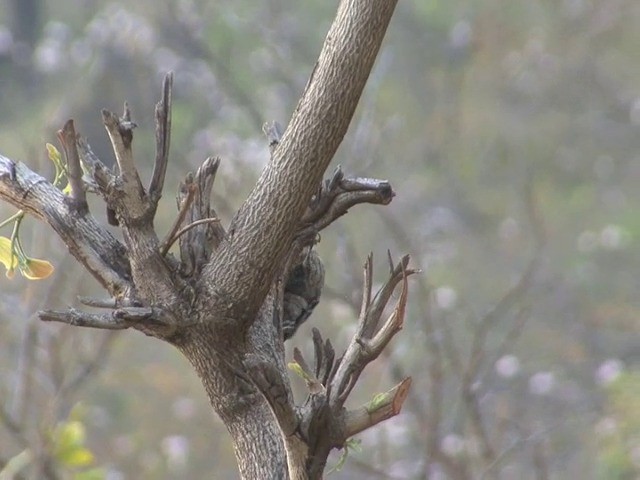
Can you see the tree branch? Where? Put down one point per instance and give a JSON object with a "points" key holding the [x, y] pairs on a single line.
{"points": [[154, 321], [68, 139], [151, 272], [196, 244], [100, 173], [91, 244], [275, 388], [105, 321], [338, 194], [382, 407], [262, 230], [184, 207], [120, 132], [324, 422], [368, 341], [163, 138]]}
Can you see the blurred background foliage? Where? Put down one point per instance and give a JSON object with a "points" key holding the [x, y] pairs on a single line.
{"points": [[510, 130]]}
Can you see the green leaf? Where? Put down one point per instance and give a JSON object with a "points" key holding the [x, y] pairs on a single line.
{"points": [[352, 444], [297, 369], [375, 402]]}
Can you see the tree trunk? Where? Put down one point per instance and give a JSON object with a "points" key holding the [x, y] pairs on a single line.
{"points": [[255, 434], [221, 302]]}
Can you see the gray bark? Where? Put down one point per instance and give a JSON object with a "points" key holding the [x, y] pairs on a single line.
{"points": [[217, 302]]}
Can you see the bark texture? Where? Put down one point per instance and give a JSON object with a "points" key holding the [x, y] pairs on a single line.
{"points": [[220, 300]]}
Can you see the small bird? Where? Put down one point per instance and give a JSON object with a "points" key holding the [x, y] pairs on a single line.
{"points": [[302, 291]]}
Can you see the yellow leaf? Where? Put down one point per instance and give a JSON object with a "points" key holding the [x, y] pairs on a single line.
{"points": [[36, 269], [69, 435], [7, 256], [77, 457]]}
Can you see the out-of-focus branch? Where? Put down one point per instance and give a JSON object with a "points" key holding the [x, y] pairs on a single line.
{"points": [[22, 392], [505, 306], [15, 429], [90, 366], [197, 46]]}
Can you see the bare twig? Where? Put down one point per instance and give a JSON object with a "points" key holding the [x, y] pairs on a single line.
{"points": [[98, 302], [324, 356], [171, 237], [196, 244], [369, 322], [120, 319], [83, 319], [100, 173], [120, 132], [393, 324], [367, 342], [68, 138], [186, 228], [163, 138]]}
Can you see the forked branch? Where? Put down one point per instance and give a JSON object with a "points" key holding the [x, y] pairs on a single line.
{"points": [[200, 232], [370, 337], [338, 194], [282, 193], [88, 241], [323, 419]]}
